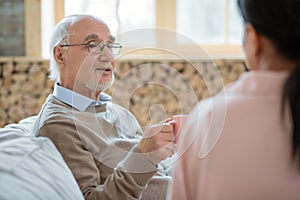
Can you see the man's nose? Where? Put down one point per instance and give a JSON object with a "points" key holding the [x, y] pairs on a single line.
{"points": [[106, 55]]}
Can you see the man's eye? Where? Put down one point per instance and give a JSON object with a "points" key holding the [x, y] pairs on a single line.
{"points": [[92, 45], [110, 46]]}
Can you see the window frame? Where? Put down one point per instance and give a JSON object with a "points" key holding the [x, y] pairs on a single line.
{"points": [[167, 20], [32, 30]]}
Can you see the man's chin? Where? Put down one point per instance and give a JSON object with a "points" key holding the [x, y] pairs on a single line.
{"points": [[100, 86], [104, 86]]}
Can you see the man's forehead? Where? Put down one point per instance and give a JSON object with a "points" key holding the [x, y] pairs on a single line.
{"points": [[88, 29], [96, 37]]}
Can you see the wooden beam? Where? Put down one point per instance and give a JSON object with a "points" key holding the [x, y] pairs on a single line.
{"points": [[32, 28], [59, 10], [166, 14]]}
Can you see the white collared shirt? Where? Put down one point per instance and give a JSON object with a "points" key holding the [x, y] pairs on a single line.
{"points": [[77, 100]]}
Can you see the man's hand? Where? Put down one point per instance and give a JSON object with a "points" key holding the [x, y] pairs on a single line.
{"points": [[157, 143]]}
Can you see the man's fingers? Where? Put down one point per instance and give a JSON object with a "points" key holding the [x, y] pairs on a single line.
{"points": [[167, 136], [159, 128], [167, 127], [169, 150]]}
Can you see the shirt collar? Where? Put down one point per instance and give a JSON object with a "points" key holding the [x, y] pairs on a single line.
{"points": [[77, 100]]}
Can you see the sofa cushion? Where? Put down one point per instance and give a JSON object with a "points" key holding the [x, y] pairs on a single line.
{"points": [[32, 168], [23, 128]]}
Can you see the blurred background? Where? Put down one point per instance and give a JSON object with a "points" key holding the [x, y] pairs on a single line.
{"points": [[176, 52]]}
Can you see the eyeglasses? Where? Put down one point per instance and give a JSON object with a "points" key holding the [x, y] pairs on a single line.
{"points": [[98, 47]]}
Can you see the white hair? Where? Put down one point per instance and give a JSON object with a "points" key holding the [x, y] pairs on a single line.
{"points": [[60, 35]]}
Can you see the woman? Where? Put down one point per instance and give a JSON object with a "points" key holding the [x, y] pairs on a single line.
{"points": [[244, 143]]}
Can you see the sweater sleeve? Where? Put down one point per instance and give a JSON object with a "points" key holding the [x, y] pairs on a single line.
{"points": [[123, 183]]}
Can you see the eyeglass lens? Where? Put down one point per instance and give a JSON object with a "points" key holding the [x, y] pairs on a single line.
{"points": [[114, 48]]}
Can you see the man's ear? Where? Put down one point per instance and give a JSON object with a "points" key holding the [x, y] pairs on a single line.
{"points": [[253, 40], [58, 55]]}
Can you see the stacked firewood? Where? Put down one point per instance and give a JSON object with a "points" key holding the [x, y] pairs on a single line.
{"points": [[151, 90], [24, 88]]}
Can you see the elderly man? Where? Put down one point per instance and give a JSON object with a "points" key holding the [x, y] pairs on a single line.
{"points": [[100, 141]]}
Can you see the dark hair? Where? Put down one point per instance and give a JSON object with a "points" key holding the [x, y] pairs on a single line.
{"points": [[279, 20]]}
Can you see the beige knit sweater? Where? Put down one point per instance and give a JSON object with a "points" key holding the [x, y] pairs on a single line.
{"points": [[99, 147]]}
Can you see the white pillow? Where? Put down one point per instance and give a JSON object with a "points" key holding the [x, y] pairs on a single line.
{"points": [[32, 168], [23, 128]]}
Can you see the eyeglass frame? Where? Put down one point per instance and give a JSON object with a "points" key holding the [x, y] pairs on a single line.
{"points": [[117, 46]]}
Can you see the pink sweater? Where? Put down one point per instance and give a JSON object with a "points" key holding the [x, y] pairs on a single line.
{"points": [[236, 146]]}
